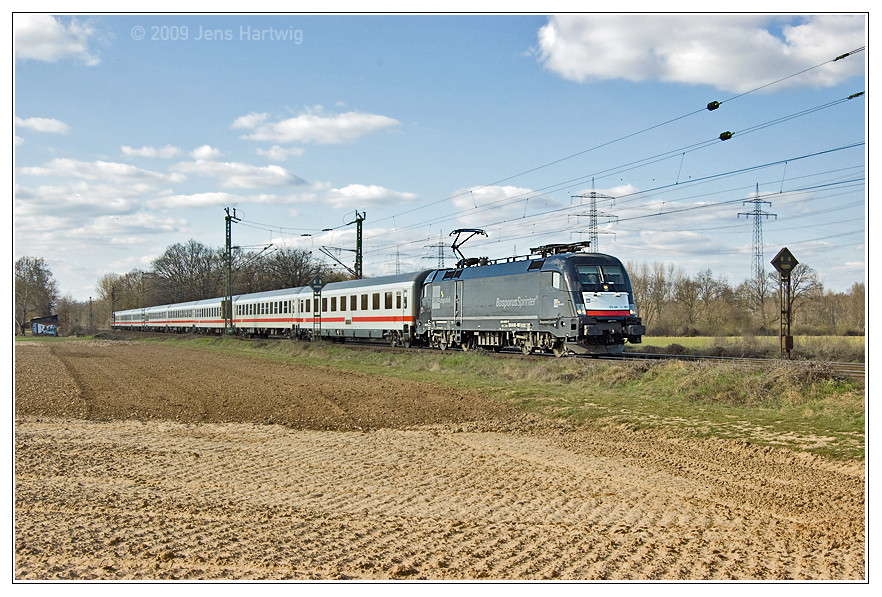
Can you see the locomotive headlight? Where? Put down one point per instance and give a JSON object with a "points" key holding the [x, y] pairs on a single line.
{"points": [[633, 309]]}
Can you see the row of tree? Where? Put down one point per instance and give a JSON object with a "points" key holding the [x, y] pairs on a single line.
{"points": [[673, 303], [192, 271], [670, 302], [184, 272]]}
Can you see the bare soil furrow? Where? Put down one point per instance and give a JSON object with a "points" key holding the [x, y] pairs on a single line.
{"points": [[137, 461]]}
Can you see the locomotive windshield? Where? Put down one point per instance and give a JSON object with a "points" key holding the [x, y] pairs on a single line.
{"points": [[598, 278]]}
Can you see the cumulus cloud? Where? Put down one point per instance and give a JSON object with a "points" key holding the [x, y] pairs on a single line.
{"points": [[167, 152], [239, 175], [480, 205], [313, 126], [109, 172], [194, 200], [82, 198], [221, 199], [731, 52], [277, 153], [250, 121], [44, 37], [43, 125], [359, 195], [205, 152]]}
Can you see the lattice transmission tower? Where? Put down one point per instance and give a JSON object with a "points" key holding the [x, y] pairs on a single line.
{"points": [[593, 215], [758, 270], [440, 245]]}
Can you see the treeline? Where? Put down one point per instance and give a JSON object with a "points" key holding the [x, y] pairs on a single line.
{"points": [[672, 303], [193, 271], [184, 272]]}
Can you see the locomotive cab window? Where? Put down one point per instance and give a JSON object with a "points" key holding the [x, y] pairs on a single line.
{"points": [[600, 277]]}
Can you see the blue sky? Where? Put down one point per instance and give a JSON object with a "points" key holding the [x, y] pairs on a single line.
{"points": [[133, 132]]}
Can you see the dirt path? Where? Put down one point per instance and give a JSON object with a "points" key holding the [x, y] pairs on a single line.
{"points": [[141, 462]]}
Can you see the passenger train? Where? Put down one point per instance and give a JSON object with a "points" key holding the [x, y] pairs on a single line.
{"points": [[559, 299]]}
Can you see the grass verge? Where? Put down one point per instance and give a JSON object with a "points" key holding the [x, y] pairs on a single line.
{"points": [[850, 349], [796, 405]]}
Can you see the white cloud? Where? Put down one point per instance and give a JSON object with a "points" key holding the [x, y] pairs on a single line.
{"points": [[250, 121], [359, 195], [43, 37], [731, 52], [78, 198], [277, 153], [480, 205], [167, 152], [314, 126], [194, 200], [43, 125], [205, 152], [238, 175], [110, 172], [220, 199]]}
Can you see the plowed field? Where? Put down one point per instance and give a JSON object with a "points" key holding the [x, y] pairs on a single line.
{"points": [[142, 461]]}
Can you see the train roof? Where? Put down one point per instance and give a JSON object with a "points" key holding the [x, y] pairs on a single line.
{"points": [[523, 265], [413, 277]]}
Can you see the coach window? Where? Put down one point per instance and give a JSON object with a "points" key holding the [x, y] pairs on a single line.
{"points": [[398, 300], [388, 301], [333, 303], [324, 305], [375, 303], [342, 303], [364, 302]]}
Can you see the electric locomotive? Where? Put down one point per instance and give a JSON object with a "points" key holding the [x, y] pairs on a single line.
{"points": [[563, 300]]}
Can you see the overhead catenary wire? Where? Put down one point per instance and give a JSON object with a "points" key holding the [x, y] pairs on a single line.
{"points": [[545, 191], [716, 105], [636, 195], [536, 193]]}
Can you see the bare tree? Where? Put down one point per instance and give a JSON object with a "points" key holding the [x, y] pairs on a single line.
{"points": [[188, 272], [35, 290]]}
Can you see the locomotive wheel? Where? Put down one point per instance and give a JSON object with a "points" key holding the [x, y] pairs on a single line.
{"points": [[526, 348], [559, 349]]}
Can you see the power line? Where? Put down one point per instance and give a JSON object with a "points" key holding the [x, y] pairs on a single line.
{"points": [[711, 106]]}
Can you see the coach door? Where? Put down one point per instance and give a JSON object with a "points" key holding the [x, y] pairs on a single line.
{"points": [[457, 303]]}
